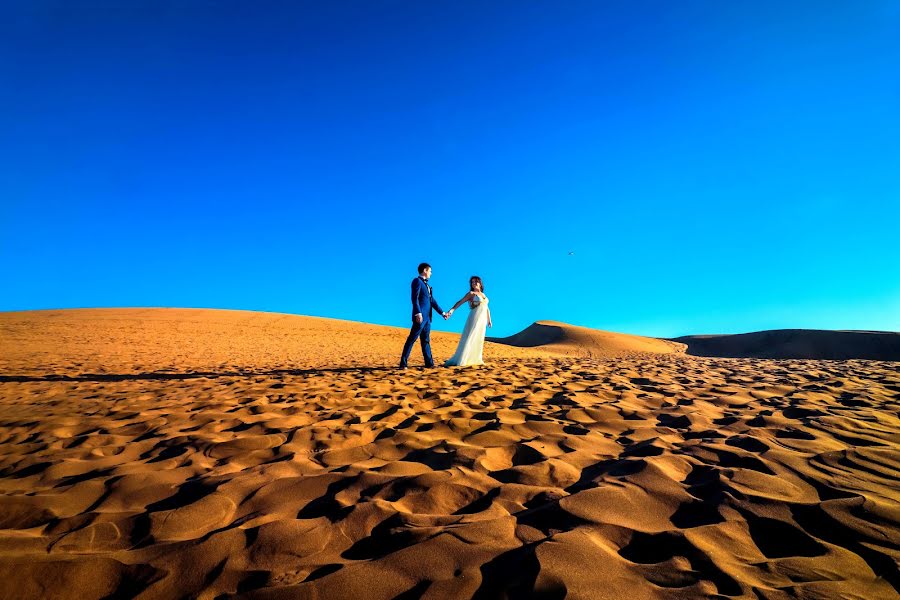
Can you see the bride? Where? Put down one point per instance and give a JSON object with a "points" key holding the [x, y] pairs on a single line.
{"points": [[471, 343]]}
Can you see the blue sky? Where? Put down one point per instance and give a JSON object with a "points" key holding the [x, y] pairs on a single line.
{"points": [[716, 167]]}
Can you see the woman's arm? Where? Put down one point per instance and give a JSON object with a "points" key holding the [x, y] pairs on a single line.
{"points": [[490, 324], [461, 301]]}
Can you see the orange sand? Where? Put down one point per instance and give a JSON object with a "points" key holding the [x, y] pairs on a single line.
{"points": [[187, 453]]}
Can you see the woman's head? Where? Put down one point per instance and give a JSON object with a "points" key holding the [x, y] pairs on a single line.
{"points": [[475, 284]]}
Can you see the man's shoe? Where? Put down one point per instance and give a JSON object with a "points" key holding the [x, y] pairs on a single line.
{"points": [[402, 367]]}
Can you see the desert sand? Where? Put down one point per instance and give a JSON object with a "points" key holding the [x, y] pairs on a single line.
{"points": [[163, 453]]}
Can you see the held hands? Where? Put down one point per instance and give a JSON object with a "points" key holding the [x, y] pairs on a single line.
{"points": [[447, 314]]}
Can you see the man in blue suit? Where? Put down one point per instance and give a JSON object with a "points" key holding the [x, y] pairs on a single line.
{"points": [[422, 304]]}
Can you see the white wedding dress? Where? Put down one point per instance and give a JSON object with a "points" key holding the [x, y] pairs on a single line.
{"points": [[471, 343]]}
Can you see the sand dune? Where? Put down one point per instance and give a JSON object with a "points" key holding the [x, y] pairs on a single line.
{"points": [[797, 343], [191, 454], [569, 340], [140, 340]]}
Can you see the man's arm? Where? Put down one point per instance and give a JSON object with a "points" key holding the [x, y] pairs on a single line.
{"points": [[415, 299], [436, 307]]}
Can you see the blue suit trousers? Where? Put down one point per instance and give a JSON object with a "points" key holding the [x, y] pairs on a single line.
{"points": [[423, 332]]}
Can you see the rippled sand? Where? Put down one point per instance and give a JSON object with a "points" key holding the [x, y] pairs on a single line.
{"points": [[136, 462]]}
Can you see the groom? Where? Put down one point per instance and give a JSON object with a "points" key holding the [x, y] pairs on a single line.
{"points": [[422, 303]]}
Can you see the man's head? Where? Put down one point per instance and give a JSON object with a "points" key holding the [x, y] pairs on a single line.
{"points": [[425, 271]]}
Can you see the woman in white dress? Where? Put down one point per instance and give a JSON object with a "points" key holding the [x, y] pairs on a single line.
{"points": [[471, 343]]}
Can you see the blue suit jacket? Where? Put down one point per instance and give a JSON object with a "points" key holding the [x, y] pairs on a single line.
{"points": [[422, 300]]}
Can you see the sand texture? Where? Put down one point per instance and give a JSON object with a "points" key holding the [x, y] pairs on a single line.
{"points": [[160, 453]]}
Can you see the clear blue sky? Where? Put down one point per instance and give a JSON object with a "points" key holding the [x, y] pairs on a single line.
{"points": [[715, 167]]}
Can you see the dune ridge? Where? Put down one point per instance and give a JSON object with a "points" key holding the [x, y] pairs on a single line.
{"points": [[797, 343], [190, 454]]}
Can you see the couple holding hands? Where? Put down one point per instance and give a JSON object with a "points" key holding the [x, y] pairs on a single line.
{"points": [[471, 343]]}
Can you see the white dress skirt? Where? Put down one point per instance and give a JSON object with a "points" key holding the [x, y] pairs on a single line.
{"points": [[471, 342]]}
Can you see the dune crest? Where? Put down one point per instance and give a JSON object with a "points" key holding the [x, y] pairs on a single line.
{"points": [[570, 340]]}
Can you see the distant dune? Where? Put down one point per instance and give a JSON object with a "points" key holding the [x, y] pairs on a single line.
{"points": [[562, 339], [797, 343], [570, 340]]}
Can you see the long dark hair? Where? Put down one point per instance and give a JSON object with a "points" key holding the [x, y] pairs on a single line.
{"points": [[473, 280]]}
